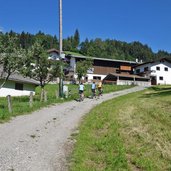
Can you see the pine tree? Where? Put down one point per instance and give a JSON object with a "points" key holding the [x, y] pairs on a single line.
{"points": [[76, 39]]}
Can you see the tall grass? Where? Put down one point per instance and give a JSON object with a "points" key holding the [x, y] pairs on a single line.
{"points": [[20, 105], [131, 132]]}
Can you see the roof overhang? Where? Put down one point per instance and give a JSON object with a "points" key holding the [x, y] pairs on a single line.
{"points": [[115, 75], [101, 59], [16, 77]]}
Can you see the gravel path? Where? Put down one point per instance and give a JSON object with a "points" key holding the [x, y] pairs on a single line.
{"points": [[38, 142]]}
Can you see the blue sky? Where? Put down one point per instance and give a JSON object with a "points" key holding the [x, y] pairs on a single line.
{"points": [[147, 21]]}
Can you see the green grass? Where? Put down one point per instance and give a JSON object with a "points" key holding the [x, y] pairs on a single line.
{"points": [[20, 105], [131, 132]]}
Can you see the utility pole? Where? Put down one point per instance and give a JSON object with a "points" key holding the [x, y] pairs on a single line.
{"points": [[60, 27], [60, 50]]}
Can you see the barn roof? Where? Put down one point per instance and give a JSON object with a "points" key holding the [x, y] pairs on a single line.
{"points": [[150, 62], [19, 78], [102, 59]]}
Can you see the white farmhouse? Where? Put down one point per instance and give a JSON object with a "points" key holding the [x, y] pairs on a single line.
{"points": [[54, 54], [159, 71]]}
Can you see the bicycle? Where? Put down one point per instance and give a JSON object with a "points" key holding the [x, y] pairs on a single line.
{"points": [[100, 91], [81, 97], [93, 93]]}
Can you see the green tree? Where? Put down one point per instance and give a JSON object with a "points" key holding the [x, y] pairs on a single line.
{"points": [[162, 54], [84, 46], [37, 64], [76, 39], [11, 58], [38, 67], [82, 67], [67, 44]]}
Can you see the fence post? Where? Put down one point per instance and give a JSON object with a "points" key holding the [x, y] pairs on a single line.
{"points": [[9, 104], [42, 95], [65, 91], [31, 99], [45, 96], [57, 94]]}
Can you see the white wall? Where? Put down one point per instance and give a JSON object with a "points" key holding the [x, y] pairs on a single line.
{"points": [[162, 73], [54, 56], [90, 76], [6, 91], [129, 82], [9, 89]]}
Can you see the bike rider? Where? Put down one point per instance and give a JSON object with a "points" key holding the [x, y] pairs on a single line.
{"points": [[99, 88], [81, 91], [93, 89]]}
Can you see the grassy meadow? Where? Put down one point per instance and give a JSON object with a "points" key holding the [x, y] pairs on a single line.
{"points": [[20, 105], [131, 132]]}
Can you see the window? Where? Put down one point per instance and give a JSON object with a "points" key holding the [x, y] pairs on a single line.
{"points": [[18, 86], [158, 68], [137, 71], [160, 78], [96, 78], [165, 68], [146, 69]]}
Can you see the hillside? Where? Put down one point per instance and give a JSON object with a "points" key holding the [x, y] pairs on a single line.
{"points": [[108, 48], [131, 132]]}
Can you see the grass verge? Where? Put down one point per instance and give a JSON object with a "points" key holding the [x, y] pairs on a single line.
{"points": [[20, 105], [131, 132]]}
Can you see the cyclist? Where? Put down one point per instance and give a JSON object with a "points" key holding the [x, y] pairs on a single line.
{"points": [[93, 89], [99, 88], [81, 91]]}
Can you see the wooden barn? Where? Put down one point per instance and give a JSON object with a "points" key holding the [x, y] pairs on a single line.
{"points": [[101, 67]]}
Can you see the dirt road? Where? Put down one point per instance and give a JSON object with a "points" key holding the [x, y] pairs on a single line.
{"points": [[38, 142]]}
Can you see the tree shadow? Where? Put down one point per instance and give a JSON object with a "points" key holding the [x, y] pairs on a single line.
{"points": [[156, 88], [159, 92], [77, 100], [2, 106]]}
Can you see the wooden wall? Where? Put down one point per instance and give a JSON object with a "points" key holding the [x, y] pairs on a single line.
{"points": [[103, 70]]}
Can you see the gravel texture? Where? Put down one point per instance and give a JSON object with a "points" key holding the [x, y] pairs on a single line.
{"points": [[41, 141]]}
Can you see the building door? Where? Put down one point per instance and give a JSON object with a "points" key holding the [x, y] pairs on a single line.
{"points": [[86, 79], [153, 81]]}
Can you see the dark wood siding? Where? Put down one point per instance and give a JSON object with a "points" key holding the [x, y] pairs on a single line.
{"points": [[104, 70], [105, 67]]}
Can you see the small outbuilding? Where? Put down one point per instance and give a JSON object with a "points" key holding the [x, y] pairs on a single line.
{"points": [[17, 85]]}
